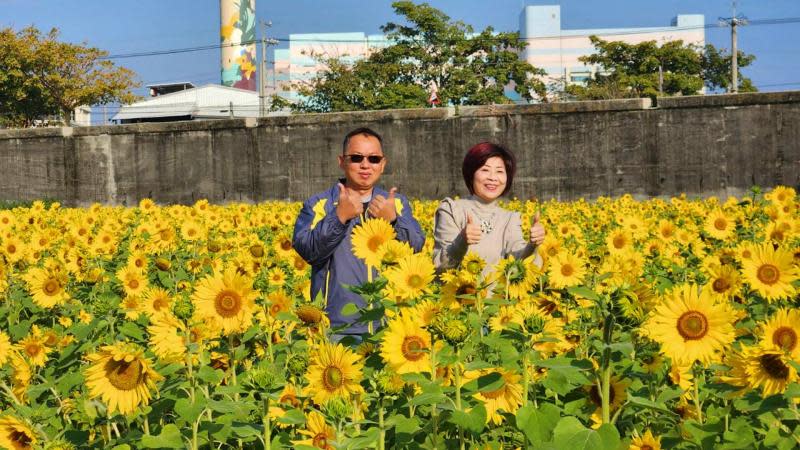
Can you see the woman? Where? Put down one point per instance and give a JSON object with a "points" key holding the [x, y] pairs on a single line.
{"points": [[477, 224]]}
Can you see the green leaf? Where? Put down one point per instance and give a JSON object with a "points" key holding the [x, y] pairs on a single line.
{"points": [[189, 411], [245, 430], [571, 434], [349, 309], [658, 406], [366, 439], [428, 399], [473, 421], [210, 375], [293, 417], [538, 423], [585, 292], [490, 382], [131, 330], [404, 428], [170, 437]]}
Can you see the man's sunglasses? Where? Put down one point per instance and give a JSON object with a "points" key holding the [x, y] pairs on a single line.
{"points": [[357, 159]]}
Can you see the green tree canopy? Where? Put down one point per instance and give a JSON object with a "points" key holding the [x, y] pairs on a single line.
{"points": [[428, 49], [648, 69], [41, 76]]}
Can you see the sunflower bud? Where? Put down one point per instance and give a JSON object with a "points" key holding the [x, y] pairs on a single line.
{"points": [[297, 365], [214, 247], [163, 264], [263, 377], [338, 408], [534, 324], [182, 308], [455, 331], [365, 349], [388, 383], [309, 314]]}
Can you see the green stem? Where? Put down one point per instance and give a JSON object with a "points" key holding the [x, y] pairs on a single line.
{"points": [[697, 403], [605, 382], [434, 408], [382, 436], [525, 378], [267, 425], [457, 375]]}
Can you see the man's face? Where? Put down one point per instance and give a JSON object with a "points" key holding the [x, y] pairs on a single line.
{"points": [[364, 174]]}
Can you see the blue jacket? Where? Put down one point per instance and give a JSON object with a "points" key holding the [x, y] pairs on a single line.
{"points": [[325, 243]]}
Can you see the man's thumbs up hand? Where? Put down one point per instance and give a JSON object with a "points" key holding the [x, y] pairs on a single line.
{"points": [[383, 207], [349, 205]]}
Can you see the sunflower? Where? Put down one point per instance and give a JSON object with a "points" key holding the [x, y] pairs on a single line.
{"points": [[15, 434], [193, 231], [460, 289], [278, 302], [47, 287], [156, 301], [770, 272], [335, 371], [515, 277], [782, 332], [276, 277], [226, 299], [411, 277], [368, 238], [691, 327], [566, 269], [282, 244], [392, 252], [13, 249], [121, 376], [619, 240], [406, 345], [646, 442], [718, 225], [5, 348], [167, 339], [723, 281], [33, 348], [617, 392], [287, 400], [473, 263], [20, 377], [319, 433], [133, 281], [666, 230], [768, 369], [507, 397]]}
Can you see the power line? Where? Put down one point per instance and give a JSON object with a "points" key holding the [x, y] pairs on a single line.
{"points": [[776, 21]]}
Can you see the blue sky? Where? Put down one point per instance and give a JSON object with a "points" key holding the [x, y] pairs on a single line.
{"points": [[144, 25]]}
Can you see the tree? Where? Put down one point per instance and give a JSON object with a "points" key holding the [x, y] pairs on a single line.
{"points": [[647, 69], [428, 50], [42, 76], [717, 69]]}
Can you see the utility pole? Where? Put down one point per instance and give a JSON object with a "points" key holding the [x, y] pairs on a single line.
{"points": [[262, 69], [734, 21]]}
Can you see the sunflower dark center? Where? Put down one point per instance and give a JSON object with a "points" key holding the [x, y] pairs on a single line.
{"points": [[785, 338], [768, 274], [257, 250], [160, 303], [20, 439], [774, 367], [133, 284], [33, 349], [567, 270], [720, 285], [466, 289], [320, 440], [124, 376], [332, 378], [227, 303], [11, 248], [413, 348], [720, 224], [619, 241], [692, 325], [374, 242], [51, 287]]}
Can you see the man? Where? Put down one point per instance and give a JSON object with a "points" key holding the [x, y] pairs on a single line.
{"points": [[322, 232]]}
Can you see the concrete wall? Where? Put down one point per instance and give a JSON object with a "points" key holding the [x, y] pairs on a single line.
{"points": [[713, 145]]}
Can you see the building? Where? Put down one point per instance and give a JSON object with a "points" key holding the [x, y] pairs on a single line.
{"points": [[550, 47], [557, 50], [196, 103]]}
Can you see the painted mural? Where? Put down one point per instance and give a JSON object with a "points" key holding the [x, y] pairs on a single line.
{"points": [[238, 39]]}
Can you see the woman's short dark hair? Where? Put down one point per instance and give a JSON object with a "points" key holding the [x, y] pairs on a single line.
{"points": [[361, 131], [477, 156]]}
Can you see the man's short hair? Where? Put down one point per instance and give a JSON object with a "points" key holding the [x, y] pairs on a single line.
{"points": [[361, 131]]}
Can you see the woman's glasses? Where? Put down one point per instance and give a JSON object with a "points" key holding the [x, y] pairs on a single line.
{"points": [[357, 159]]}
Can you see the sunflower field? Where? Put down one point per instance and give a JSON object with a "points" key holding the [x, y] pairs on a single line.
{"points": [[651, 324]]}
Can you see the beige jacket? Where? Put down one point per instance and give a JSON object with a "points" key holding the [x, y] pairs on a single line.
{"points": [[502, 234]]}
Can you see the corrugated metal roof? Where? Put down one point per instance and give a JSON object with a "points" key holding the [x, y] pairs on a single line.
{"points": [[208, 101]]}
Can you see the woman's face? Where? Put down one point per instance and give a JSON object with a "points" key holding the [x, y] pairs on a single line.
{"points": [[489, 180]]}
